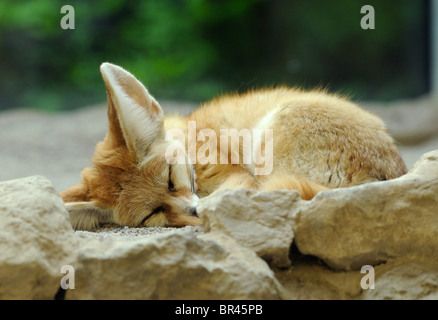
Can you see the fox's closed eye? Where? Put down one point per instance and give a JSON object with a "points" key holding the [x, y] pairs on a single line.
{"points": [[170, 184], [155, 211]]}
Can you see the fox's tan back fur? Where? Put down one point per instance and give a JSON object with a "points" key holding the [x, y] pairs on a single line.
{"points": [[320, 141], [318, 137]]}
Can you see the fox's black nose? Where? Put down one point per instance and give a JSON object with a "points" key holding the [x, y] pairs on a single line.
{"points": [[193, 212]]}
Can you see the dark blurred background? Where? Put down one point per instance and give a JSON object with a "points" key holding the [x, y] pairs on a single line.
{"points": [[195, 49]]}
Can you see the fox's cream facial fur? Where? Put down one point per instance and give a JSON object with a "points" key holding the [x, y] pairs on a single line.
{"points": [[131, 182]]}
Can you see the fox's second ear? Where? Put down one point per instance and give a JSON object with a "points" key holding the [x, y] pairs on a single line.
{"points": [[135, 117], [86, 215]]}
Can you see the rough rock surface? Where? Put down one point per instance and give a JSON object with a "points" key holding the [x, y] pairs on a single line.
{"points": [[252, 245], [371, 223], [36, 239], [174, 265], [409, 280], [261, 221]]}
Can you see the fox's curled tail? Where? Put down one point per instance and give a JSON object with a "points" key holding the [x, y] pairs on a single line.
{"points": [[307, 189]]}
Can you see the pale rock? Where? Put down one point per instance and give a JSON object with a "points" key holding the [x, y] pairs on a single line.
{"points": [[391, 225], [314, 281], [173, 265], [398, 279], [404, 280], [259, 220], [371, 223], [36, 239]]}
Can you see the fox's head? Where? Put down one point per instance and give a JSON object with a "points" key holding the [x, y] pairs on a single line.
{"points": [[131, 182]]}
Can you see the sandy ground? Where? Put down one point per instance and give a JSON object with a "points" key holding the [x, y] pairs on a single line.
{"points": [[59, 146], [108, 233]]}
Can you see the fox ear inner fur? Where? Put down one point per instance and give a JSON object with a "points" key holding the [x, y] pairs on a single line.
{"points": [[86, 215], [135, 117]]}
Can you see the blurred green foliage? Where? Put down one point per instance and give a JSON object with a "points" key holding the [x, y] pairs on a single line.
{"points": [[196, 49]]}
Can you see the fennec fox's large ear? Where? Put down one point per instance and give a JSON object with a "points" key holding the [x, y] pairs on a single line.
{"points": [[135, 117]]}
